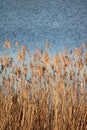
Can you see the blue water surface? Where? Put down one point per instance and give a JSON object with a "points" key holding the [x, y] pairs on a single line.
{"points": [[62, 22]]}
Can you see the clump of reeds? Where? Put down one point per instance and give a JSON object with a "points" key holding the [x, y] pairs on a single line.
{"points": [[40, 92]]}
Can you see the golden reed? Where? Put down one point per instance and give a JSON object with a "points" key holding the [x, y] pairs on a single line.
{"points": [[40, 92]]}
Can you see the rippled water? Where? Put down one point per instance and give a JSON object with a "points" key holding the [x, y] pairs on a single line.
{"points": [[32, 22]]}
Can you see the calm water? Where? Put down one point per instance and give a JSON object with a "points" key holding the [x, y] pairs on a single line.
{"points": [[32, 22]]}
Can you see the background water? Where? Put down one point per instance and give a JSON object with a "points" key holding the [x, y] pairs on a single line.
{"points": [[32, 22]]}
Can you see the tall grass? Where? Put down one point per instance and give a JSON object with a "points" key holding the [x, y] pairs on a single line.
{"points": [[42, 92]]}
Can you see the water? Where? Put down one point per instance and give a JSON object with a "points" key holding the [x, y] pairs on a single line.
{"points": [[62, 22]]}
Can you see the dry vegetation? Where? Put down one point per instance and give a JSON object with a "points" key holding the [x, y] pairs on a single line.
{"points": [[46, 93]]}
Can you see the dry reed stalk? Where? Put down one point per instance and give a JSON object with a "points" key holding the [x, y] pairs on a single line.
{"points": [[1, 60], [19, 57], [85, 58], [47, 45], [40, 72], [77, 52], [17, 44], [25, 70], [46, 58], [83, 45], [5, 60], [56, 61], [7, 44]]}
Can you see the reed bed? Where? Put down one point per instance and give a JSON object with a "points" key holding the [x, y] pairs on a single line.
{"points": [[43, 92]]}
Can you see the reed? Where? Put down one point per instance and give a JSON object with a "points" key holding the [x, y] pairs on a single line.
{"points": [[43, 92]]}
